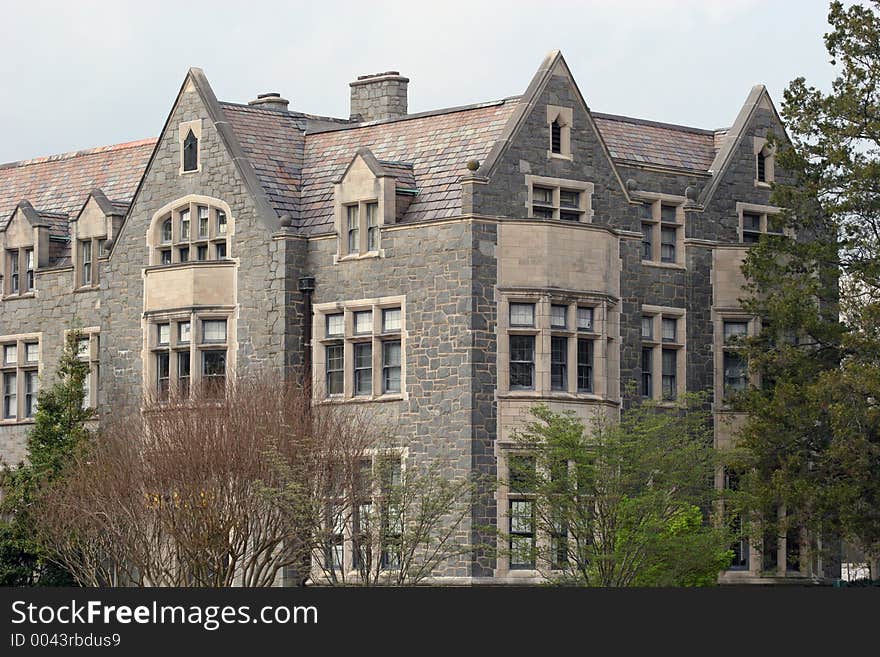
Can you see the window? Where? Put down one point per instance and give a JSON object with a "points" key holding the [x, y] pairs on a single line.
{"points": [[762, 167], [667, 220], [522, 314], [354, 242], [360, 351], [163, 377], [522, 362], [335, 358], [86, 262], [554, 198], [30, 393], [735, 370], [521, 516], [14, 284], [559, 120], [363, 368], [756, 220], [372, 226], [10, 396], [214, 330], [647, 387], [88, 351], [662, 334], [558, 316], [391, 367], [190, 152], [558, 363], [32, 352], [184, 332], [184, 225], [28, 270], [363, 322], [765, 162], [10, 354], [163, 333], [390, 320], [335, 324], [584, 318], [183, 373], [740, 546], [214, 371], [206, 239], [670, 368], [584, 365]]}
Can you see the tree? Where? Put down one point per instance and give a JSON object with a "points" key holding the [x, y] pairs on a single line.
{"points": [[812, 441], [60, 432], [623, 504]]}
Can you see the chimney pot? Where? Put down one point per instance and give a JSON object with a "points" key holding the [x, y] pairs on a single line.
{"points": [[270, 100]]}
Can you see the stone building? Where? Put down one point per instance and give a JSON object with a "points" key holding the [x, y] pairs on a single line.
{"points": [[465, 263]]}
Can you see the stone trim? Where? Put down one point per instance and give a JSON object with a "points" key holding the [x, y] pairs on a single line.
{"points": [[585, 189], [658, 345], [19, 368], [182, 131]]}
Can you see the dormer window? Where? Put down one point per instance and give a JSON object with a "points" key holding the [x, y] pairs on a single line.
{"points": [[353, 229], [372, 226], [14, 276], [29, 270], [190, 152], [86, 261]]}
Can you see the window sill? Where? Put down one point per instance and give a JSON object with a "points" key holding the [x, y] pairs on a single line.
{"points": [[663, 265], [560, 156], [552, 395], [364, 399], [351, 257], [763, 185], [24, 295], [86, 288], [12, 422]]}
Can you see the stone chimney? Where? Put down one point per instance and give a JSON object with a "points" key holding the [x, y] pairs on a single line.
{"points": [[271, 100], [378, 96]]}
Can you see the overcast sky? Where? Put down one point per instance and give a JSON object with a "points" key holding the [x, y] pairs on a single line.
{"points": [[84, 73]]}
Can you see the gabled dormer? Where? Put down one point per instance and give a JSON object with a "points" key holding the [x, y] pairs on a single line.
{"points": [[370, 194], [31, 240], [98, 221]]}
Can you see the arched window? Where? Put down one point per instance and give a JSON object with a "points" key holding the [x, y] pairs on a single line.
{"points": [[195, 230], [556, 137], [190, 152], [166, 231]]}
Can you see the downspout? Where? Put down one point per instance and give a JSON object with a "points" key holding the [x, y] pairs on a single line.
{"points": [[306, 287]]}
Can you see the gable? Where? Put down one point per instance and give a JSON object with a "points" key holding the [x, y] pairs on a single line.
{"points": [[19, 231]]}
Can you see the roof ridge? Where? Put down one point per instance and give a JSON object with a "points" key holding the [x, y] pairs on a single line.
{"points": [[657, 124], [420, 115], [275, 112], [96, 150]]}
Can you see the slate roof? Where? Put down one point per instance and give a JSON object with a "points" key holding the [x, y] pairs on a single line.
{"points": [[61, 183], [637, 141], [438, 145]]}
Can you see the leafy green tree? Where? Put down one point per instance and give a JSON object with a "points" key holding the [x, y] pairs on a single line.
{"points": [[812, 441], [623, 504], [59, 432]]}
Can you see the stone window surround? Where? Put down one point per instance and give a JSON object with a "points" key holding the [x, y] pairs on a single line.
{"points": [[656, 343], [195, 345], [172, 210], [557, 184], [761, 145], [657, 199], [603, 311], [719, 347], [20, 254], [400, 453], [93, 358], [349, 339], [564, 116], [21, 366], [182, 131], [763, 210]]}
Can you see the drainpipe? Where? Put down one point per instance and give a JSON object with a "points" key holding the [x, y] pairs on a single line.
{"points": [[306, 287]]}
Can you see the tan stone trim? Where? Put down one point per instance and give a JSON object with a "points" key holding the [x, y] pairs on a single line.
{"points": [[172, 210], [657, 200], [585, 201], [657, 344], [20, 368], [183, 129]]}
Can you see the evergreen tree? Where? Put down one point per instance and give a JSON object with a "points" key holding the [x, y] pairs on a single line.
{"points": [[59, 431], [812, 441]]}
